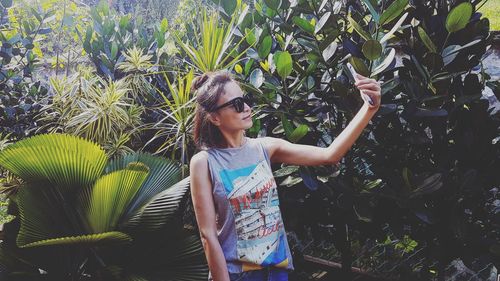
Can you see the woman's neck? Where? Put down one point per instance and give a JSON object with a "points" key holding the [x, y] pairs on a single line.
{"points": [[233, 140]]}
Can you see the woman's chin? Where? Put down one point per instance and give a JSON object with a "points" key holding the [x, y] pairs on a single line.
{"points": [[248, 124]]}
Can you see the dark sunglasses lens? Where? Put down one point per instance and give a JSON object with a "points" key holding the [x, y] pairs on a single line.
{"points": [[248, 100], [239, 104]]}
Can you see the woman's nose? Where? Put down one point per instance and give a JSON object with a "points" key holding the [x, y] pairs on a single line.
{"points": [[247, 107]]}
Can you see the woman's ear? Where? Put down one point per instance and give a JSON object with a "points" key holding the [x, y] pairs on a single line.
{"points": [[214, 118]]}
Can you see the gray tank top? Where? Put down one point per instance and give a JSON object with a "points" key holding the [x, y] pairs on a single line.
{"points": [[249, 224]]}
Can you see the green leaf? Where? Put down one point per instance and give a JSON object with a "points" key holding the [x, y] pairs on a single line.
{"points": [[273, 4], [359, 29], [164, 25], [459, 17], [394, 10], [124, 21], [298, 133], [372, 184], [285, 171], [64, 160], [114, 50], [284, 63], [163, 173], [265, 47], [375, 15], [93, 239], [291, 181], [372, 49], [426, 40], [250, 36], [303, 24], [359, 66], [229, 6], [287, 126], [248, 66], [161, 209], [108, 199]]}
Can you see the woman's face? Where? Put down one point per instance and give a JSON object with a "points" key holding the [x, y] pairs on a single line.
{"points": [[227, 118]]}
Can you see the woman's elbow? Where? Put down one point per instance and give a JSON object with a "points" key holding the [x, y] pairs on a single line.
{"points": [[331, 160], [208, 238]]}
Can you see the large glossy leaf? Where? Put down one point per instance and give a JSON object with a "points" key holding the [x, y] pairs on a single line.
{"points": [[265, 46], [394, 10], [459, 17], [303, 24], [284, 63], [163, 173], [298, 133], [159, 211], [66, 161], [372, 49], [106, 202], [359, 66]]}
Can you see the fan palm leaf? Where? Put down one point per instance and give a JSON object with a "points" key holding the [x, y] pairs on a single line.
{"points": [[163, 173], [106, 202], [75, 215], [65, 161], [161, 209]]}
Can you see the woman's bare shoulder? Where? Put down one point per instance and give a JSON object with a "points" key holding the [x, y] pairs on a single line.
{"points": [[199, 160]]}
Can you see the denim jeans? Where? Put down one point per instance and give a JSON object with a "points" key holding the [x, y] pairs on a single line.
{"points": [[266, 274]]}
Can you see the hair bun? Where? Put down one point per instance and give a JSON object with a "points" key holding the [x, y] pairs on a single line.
{"points": [[199, 81]]}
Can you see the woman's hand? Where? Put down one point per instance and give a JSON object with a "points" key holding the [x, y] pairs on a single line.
{"points": [[370, 87]]}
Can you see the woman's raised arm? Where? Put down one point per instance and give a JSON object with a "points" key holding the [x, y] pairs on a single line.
{"points": [[201, 193], [282, 151]]}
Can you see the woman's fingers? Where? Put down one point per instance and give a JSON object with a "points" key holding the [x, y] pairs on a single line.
{"points": [[369, 86], [371, 93], [365, 81]]}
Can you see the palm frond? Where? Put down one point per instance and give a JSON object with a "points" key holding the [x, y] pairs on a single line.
{"points": [[63, 160], [161, 209], [110, 196], [163, 173], [106, 238]]}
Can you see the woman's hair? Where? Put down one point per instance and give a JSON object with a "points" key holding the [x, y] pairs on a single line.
{"points": [[208, 88]]}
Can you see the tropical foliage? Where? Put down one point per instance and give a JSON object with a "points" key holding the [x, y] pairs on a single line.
{"points": [[80, 214]]}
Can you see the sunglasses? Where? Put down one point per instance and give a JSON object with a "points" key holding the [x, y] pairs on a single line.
{"points": [[238, 103]]}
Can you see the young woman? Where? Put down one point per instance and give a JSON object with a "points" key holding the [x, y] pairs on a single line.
{"points": [[232, 186]]}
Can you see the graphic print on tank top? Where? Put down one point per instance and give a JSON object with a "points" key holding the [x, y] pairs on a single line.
{"points": [[253, 197]]}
